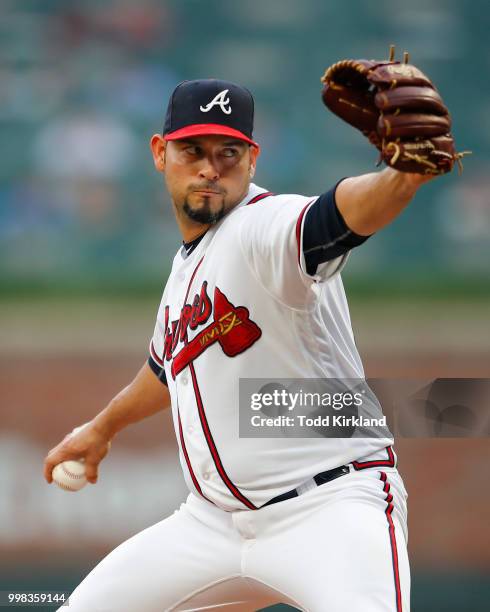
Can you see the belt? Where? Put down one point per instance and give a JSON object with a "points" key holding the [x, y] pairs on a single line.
{"points": [[316, 481]]}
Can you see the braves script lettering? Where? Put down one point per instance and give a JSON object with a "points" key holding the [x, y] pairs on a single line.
{"points": [[190, 316]]}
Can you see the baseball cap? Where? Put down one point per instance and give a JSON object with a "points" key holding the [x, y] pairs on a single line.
{"points": [[210, 106]]}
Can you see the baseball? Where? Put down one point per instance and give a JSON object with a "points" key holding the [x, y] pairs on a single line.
{"points": [[70, 475]]}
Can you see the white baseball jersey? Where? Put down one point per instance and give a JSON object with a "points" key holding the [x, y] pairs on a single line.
{"points": [[241, 305]]}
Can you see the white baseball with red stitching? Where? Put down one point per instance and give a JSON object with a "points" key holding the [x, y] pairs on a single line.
{"points": [[70, 475]]}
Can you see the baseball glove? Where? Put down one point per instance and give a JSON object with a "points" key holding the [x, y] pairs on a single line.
{"points": [[397, 107]]}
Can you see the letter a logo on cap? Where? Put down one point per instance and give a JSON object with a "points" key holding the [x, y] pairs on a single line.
{"points": [[219, 100]]}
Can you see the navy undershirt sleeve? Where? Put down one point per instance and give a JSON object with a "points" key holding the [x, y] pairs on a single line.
{"points": [[158, 370], [325, 233]]}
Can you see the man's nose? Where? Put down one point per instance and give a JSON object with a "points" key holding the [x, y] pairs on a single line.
{"points": [[209, 170]]}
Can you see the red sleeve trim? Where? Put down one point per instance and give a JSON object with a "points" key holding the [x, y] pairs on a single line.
{"points": [[154, 355]]}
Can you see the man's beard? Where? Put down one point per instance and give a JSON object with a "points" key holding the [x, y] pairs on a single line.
{"points": [[204, 215]]}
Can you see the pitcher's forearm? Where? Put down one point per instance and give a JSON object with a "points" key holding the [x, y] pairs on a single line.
{"points": [[144, 396], [369, 202]]}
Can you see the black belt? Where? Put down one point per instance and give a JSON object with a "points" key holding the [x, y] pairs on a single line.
{"points": [[319, 479]]}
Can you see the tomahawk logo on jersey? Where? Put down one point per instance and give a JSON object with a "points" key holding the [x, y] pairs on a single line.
{"points": [[230, 327]]}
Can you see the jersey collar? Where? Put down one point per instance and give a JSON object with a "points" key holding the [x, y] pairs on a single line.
{"points": [[189, 247]]}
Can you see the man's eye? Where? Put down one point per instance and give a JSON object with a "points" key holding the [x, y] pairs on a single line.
{"points": [[229, 152], [192, 150]]}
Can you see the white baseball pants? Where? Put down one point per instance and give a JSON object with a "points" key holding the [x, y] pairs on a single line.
{"points": [[341, 547]]}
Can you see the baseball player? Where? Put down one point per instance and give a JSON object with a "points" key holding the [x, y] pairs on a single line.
{"points": [[256, 292]]}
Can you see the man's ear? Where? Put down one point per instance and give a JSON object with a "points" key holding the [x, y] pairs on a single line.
{"points": [[158, 145], [254, 153]]}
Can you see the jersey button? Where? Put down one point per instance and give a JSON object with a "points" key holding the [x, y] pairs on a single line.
{"points": [[181, 276], [190, 429], [184, 380], [206, 475]]}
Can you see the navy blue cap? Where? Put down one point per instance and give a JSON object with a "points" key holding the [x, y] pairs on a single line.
{"points": [[210, 106]]}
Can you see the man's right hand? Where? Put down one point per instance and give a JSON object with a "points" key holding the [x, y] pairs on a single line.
{"points": [[144, 396], [85, 442]]}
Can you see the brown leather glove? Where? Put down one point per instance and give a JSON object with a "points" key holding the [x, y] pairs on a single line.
{"points": [[398, 109]]}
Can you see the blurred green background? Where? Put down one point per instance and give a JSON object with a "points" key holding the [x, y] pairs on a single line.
{"points": [[87, 236], [85, 85]]}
